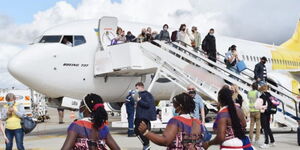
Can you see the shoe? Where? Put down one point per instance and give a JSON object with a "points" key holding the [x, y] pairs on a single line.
{"points": [[273, 144], [131, 135], [147, 147], [264, 146], [256, 142]]}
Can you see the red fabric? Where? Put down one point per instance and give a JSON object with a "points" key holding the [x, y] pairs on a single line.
{"points": [[237, 147], [97, 106], [186, 121], [87, 124]]}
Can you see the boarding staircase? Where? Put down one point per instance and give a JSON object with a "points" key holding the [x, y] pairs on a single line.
{"points": [[287, 110], [183, 66]]}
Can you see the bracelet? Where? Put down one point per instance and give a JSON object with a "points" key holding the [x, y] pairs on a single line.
{"points": [[146, 132]]}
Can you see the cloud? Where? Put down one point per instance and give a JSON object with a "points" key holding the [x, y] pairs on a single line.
{"points": [[264, 21], [7, 51], [268, 21]]}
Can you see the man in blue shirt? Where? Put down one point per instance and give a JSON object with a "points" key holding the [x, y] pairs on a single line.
{"points": [[199, 106]]}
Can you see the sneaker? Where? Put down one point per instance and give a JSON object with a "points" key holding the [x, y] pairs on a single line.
{"points": [[147, 147], [264, 146], [273, 144]]}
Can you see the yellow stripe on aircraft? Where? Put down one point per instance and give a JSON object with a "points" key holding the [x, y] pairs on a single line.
{"points": [[287, 55]]}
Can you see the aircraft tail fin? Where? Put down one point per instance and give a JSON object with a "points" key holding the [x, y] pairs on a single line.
{"points": [[293, 43]]}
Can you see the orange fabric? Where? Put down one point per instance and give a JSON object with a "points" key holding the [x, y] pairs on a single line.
{"points": [[187, 121]]}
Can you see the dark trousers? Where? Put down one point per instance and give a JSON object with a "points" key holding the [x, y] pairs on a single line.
{"points": [[212, 57], [130, 118], [265, 124], [142, 138], [19, 134]]}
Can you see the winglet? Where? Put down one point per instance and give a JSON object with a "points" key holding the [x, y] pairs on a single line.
{"points": [[293, 43]]}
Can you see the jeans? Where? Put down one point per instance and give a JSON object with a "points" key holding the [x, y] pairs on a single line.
{"points": [[233, 69], [19, 134], [143, 139], [265, 123], [130, 119], [254, 119]]}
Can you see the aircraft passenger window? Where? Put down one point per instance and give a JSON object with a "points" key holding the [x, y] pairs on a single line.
{"points": [[78, 40], [269, 60], [247, 58], [251, 58], [67, 40], [50, 39], [243, 57]]}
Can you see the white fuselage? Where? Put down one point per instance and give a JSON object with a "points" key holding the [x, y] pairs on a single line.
{"points": [[58, 70]]}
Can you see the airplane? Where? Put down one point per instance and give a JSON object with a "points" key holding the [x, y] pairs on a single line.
{"points": [[58, 70]]}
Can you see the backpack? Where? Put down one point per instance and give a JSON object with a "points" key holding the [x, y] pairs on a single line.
{"points": [[204, 45], [174, 36], [272, 108]]}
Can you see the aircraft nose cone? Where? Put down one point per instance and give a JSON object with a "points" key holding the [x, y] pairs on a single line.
{"points": [[17, 67]]}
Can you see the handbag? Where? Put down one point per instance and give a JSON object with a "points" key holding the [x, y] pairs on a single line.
{"points": [[28, 124], [206, 135], [241, 66]]}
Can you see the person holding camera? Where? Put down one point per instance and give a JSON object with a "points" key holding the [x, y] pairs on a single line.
{"points": [[12, 113], [199, 106], [231, 59]]}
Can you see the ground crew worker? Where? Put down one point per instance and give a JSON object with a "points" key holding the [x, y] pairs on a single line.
{"points": [[129, 103], [254, 113]]}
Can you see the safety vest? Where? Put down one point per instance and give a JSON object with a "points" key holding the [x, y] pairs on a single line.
{"points": [[252, 96], [13, 122]]}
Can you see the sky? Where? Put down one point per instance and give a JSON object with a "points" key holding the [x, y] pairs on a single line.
{"points": [[267, 21]]}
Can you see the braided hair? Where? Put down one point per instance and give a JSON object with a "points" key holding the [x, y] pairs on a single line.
{"points": [[185, 101], [225, 99], [94, 104]]}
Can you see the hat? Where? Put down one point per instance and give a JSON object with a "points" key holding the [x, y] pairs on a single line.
{"points": [[264, 58]]}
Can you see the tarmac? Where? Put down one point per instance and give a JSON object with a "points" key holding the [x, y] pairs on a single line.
{"points": [[50, 136]]}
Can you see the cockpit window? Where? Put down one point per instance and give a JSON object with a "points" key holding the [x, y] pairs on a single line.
{"points": [[68, 40], [78, 40], [50, 39]]}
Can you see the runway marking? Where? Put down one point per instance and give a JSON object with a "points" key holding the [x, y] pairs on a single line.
{"points": [[44, 137], [26, 148]]}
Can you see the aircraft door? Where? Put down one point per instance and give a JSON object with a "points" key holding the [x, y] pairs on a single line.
{"points": [[107, 31]]}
